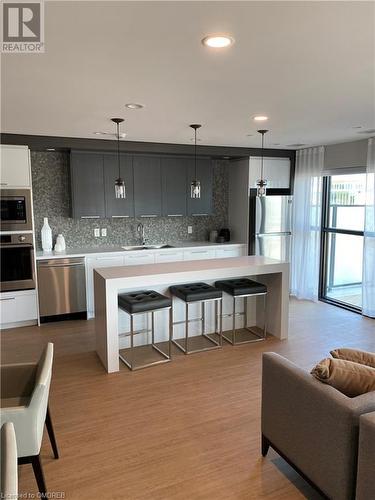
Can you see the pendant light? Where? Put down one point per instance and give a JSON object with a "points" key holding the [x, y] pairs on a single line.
{"points": [[262, 183], [120, 189], [195, 186]]}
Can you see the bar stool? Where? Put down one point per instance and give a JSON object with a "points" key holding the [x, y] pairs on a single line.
{"points": [[243, 288], [143, 302], [198, 293]]}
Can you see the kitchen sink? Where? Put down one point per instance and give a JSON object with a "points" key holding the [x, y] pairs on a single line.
{"points": [[145, 247]]}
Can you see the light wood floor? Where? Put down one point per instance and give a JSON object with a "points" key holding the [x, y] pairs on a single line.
{"points": [[184, 430]]}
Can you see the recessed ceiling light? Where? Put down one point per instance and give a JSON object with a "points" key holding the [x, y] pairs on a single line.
{"points": [[218, 41], [297, 145], [134, 105], [260, 118]]}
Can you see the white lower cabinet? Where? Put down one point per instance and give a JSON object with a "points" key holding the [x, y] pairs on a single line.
{"points": [[95, 263], [18, 308]]}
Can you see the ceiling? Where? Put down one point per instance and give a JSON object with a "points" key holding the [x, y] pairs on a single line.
{"points": [[309, 66]]}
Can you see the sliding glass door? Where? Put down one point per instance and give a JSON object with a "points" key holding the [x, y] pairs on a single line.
{"points": [[342, 240]]}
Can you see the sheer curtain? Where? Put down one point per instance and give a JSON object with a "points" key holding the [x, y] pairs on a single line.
{"points": [[307, 207], [368, 279]]}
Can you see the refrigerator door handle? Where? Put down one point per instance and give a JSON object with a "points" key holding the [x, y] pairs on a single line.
{"points": [[284, 233]]}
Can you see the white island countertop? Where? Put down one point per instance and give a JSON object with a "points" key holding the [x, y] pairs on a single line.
{"points": [[159, 273], [110, 281]]}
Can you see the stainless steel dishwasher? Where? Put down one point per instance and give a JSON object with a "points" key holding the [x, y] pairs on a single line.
{"points": [[62, 287]]}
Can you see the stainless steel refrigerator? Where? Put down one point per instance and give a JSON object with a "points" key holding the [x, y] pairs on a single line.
{"points": [[271, 226]]}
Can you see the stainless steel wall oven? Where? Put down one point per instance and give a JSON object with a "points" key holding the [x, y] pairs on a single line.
{"points": [[17, 262]]}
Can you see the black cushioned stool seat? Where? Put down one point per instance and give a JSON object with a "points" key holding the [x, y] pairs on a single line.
{"points": [[241, 286], [143, 301], [194, 292]]}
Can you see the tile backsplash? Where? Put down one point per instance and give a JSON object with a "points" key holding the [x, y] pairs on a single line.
{"points": [[51, 193]]}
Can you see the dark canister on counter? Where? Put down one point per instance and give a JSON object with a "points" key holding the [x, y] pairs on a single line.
{"points": [[225, 233]]}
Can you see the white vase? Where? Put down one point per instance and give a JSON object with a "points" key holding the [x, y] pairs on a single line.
{"points": [[60, 245], [46, 236]]}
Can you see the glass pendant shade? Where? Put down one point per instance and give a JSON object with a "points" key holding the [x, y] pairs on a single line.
{"points": [[195, 189], [195, 185], [261, 188], [262, 183], [120, 189]]}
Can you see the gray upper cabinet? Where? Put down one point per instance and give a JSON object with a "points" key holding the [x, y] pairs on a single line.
{"points": [[202, 205], [87, 185], [147, 186], [174, 172], [118, 208]]}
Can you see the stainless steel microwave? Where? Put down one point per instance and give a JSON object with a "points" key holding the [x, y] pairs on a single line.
{"points": [[16, 210]]}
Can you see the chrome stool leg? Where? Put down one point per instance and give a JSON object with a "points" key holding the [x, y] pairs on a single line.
{"points": [[265, 316], [131, 341], [234, 321], [186, 327]]}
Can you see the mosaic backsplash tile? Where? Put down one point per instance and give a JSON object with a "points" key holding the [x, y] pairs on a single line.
{"points": [[51, 192]]}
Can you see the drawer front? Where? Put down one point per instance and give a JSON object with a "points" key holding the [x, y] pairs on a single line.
{"points": [[139, 258], [222, 253], [15, 307], [169, 256], [199, 254]]}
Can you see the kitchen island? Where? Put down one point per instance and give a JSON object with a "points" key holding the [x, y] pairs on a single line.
{"points": [[109, 282]]}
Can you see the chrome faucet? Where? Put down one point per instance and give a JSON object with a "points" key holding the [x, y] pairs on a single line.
{"points": [[141, 231]]}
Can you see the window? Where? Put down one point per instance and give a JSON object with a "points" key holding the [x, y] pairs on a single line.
{"points": [[342, 240]]}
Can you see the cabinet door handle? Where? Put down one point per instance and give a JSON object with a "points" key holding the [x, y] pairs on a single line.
{"points": [[200, 251], [8, 298], [3, 183], [139, 256], [119, 216], [152, 215], [198, 215], [174, 215], [106, 258], [90, 216]]}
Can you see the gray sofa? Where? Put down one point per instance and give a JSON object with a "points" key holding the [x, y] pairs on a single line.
{"points": [[366, 457], [312, 425]]}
